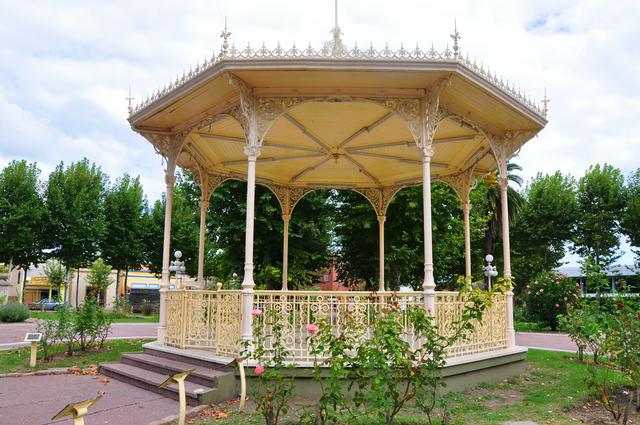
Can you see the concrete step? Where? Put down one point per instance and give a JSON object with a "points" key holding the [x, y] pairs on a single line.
{"points": [[150, 380], [201, 375], [185, 358]]}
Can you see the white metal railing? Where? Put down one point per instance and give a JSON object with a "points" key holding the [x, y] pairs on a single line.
{"points": [[213, 319]]}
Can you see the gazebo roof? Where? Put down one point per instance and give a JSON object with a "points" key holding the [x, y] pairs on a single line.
{"points": [[343, 117]]}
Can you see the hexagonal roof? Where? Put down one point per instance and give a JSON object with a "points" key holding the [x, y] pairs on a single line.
{"points": [[338, 131]]}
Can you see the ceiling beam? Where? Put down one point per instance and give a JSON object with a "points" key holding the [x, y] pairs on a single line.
{"points": [[265, 143], [271, 159], [362, 169], [309, 169], [367, 128], [306, 132]]}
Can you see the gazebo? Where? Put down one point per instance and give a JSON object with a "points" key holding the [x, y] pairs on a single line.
{"points": [[300, 119]]}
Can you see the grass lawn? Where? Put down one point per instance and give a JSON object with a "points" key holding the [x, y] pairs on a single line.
{"points": [[552, 391], [134, 318], [17, 360]]}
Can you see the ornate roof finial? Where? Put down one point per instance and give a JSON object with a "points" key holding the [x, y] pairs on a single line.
{"points": [[337, 46], [225, 39], [129, 101], [455, 36], [545, 103]]}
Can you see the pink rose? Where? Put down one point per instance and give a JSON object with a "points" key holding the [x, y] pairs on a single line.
{"points": [[312, 329], [557, 305], [535, 282], [429, 310], [259, 370], [528, 292], [577, 285], [256, 312], [541, 289], [565, 298], [528, 286]]}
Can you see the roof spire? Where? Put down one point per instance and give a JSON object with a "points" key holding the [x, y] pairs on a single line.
{"points": [[225, 34], [455, 36], [337, 46], [129, 101], [545, 103]]}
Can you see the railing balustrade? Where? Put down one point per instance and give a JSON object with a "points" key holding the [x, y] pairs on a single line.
{"points": [[212, 319]]}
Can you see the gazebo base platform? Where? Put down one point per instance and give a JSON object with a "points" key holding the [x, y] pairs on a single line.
{"points": [[218, 382]]}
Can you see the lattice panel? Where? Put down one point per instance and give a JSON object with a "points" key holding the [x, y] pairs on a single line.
{"points": [[299, 308], [213, 319], [174, 335], [489, 334]]}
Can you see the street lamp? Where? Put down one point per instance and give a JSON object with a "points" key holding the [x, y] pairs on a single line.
{"points": [[489, 270], [177, 266]]}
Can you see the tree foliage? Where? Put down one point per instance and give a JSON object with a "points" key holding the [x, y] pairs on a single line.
{"points": [[545, 225], [75, 212], [631, 215], [600, 198], [125, 207], [55, 272], [99, 277], [21, 214]]}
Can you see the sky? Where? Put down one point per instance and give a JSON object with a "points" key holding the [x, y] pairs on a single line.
{"points": [[66, 67]]}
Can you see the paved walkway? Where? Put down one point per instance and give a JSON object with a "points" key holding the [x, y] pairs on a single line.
{"points": [[12, 334], [546, 341], [34, 400]]}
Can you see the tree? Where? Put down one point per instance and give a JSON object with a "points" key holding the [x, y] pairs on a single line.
{"points": [[99, 278], [125, 207], [75, 213], [55, 272], [356, 229], [21, 215], [601, 198], [357, 237], [184, 230], [630, 225], [545, 225]]}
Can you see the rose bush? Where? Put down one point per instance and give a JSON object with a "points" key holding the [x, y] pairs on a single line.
{"points": [[548, 296]]}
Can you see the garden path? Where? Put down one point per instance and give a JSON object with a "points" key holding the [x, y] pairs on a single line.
{"points": [[12, 334]]}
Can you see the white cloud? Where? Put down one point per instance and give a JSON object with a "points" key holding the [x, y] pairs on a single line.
{"points": [[65, 67]]}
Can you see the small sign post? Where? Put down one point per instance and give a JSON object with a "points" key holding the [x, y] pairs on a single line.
{"points": [[179, 379], [76, 410], [239, 363], [33, 338]]}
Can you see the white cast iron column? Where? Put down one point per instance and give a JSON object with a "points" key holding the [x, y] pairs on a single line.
{"points": [[252, 153], [381, 220], [506, 254], [286, 218], [466, 208], [204, 206], [429, 284], [170, 180]]}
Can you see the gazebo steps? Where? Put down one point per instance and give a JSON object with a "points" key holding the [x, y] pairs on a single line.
{"points": [[148, 370]]}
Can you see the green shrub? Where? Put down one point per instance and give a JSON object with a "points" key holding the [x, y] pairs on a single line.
{"points": [[147, 308], [92, 325], [548, 296], [14, 312]]}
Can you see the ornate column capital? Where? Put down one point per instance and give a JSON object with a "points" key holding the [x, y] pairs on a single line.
{"points": [[286, 218], [382, 219], [252, 152], [170, 180]]}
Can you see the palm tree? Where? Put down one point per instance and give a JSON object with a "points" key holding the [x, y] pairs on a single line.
{"points": [[514, 200]]}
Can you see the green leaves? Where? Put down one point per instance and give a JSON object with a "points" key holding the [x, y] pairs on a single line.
{"points": [[125, 207], [601, 197], [75, 212], [21, 214]]}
